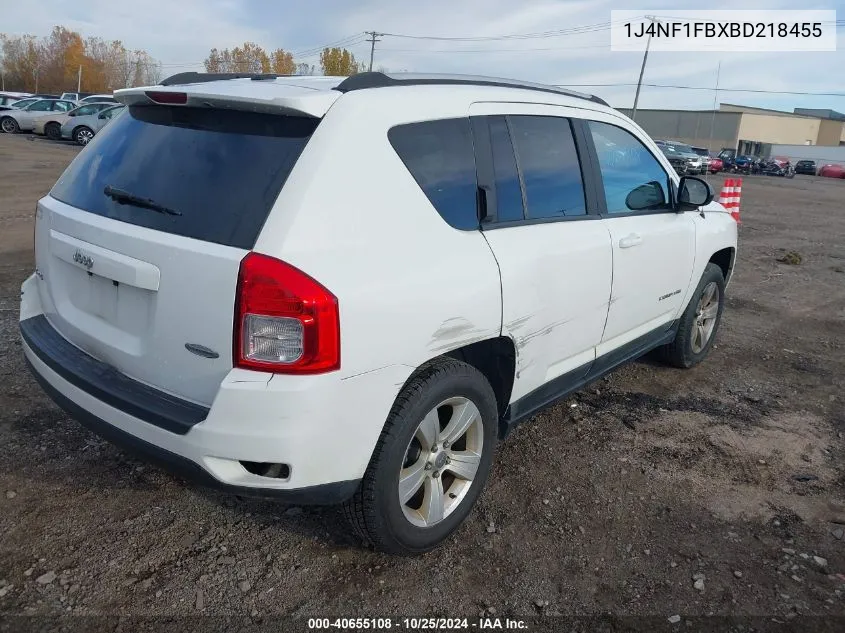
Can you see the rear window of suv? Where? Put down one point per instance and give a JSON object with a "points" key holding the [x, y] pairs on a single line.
{"points": [[221, 170]]}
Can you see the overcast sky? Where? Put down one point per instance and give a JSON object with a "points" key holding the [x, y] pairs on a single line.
{"points": [[180, 33]]}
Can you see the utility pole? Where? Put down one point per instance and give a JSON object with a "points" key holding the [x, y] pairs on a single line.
{"points": [[642, 70], [373, 39], [715, 98], [79, 80]]}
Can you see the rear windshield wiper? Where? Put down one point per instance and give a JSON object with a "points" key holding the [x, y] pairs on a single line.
{"points": [[124, 197]]}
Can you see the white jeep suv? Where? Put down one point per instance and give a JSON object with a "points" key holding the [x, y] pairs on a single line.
{"points": [[346, 290]]}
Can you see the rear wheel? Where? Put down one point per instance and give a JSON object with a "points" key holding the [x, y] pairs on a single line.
{"points": [[9, 125], [431, 460], [53, 131], [83, 135], [698, 325]]}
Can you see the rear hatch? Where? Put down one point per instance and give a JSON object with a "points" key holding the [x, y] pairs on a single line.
{"points": [[139, 243]]}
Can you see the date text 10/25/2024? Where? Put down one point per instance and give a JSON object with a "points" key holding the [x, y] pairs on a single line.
{"points": [[416, 624]]}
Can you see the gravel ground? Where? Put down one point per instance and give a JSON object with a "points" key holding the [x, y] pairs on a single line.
{"points": [[655, 492]]}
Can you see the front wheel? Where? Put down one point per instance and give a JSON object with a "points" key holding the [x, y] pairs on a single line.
{"points": [[83, 135], [431, 460], [9, 125], [699, 322]]}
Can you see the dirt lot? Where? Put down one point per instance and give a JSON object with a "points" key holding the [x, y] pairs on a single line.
{"points": [[611, 502]]}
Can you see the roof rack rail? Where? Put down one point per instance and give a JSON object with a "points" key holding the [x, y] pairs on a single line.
{"points": [[364, 81], [181, 79]]}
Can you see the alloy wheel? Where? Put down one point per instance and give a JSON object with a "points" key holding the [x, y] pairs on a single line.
{"points": [[705, 317], [441, 462], [83, 137]]}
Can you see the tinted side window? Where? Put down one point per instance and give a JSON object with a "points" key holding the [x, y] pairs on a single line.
{"points": [[440, 157], [508, 190], [549, 165], [40, 106], [633, 179]]}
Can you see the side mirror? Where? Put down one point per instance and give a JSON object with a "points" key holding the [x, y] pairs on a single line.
{"points": [[693, 193], [101, 116], [647, 196]]}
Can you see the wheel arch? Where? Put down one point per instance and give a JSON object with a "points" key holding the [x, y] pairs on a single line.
{"points": [[80, 127], [724, 259], [494, 357]]}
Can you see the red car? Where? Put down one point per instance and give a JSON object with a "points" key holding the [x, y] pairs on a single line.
{"points": [[832, 171], [716, 165]]}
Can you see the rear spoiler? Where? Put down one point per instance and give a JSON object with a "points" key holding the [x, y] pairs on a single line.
{"points": [[284, 100]]}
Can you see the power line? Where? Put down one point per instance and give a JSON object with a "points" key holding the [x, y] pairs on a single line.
{"points": [[492, 50], [350, 40]]}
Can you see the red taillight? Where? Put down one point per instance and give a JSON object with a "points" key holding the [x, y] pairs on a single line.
{"points": [[178, 98], [285, 322]]}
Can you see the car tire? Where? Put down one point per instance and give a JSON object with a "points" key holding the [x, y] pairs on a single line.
{"points": [[53, 131], [9, 125], [83, 135], [443, 394], [696, 331]]}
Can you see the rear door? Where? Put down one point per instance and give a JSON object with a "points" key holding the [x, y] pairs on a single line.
{"points": [[554, 256], [33, 111], [132, 286]]}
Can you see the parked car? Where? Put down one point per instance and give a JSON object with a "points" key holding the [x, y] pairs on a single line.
{"points": [[83, 127], [695, 163], [22, 119], [8, 98], [716, 164], [705, 157], [50, 125], [75, 96], [806, 167], [682, 162], [105, 98], [20, 103], [832, 171], [371, 358]]}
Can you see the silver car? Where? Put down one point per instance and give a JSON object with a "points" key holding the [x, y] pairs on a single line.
{"points": [[83, 128], [22, 119], [50, 124]]}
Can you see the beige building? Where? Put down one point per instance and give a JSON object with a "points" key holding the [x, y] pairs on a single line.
{"points": [[745, 129]]}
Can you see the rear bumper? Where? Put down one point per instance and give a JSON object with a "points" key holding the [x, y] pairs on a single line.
{"points": [[321, 494], [322, 427]]}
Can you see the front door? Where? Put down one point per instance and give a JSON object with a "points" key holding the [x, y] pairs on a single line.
{"points": [[653, 246]]}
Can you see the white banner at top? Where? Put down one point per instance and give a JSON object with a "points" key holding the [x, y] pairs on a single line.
{"points": [[740, 30]]}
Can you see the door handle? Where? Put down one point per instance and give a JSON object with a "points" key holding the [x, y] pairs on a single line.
{"points": [[630, 240]]}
